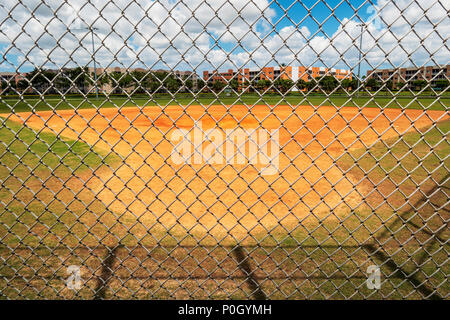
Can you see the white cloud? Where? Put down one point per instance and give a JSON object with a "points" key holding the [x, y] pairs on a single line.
{"points": [[396, 38], [169, 34]]}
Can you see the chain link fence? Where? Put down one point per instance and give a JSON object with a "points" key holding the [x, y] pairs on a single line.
{"points": [[224, 149]]}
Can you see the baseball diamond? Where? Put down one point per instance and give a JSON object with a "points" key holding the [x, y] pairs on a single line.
{"points": [[224, 150], [310, 138]]}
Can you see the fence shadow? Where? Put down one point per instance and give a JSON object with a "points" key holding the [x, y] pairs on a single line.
{"points": [[240, 257]]}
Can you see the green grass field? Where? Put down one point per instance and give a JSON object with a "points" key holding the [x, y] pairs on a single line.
{"points": [[36, 171], [50, 219], [7, 104]]}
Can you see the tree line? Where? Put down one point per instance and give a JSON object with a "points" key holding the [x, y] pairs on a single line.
{"points": [[327, 83], [47, 81], [418, 85], [79, 80], [324, 84]]}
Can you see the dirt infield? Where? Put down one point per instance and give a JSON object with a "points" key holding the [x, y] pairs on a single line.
{"points": [[226, 200]]}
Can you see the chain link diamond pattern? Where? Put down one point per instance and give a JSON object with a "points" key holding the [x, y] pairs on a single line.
{"points": [[128, 151]]}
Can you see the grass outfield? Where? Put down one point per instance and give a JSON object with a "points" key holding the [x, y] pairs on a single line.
{"points": [[64, 226], [49, 178], [71, 102]]}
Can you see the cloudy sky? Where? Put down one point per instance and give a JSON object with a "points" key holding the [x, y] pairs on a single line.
{"points": [[222, 34]]}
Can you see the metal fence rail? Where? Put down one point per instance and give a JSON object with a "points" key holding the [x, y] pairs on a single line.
{"points": [[224, 149]]}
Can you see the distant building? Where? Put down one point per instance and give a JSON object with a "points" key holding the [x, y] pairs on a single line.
{"points": [[273, 73], [431, 74], [187, 75], [11, 76]]}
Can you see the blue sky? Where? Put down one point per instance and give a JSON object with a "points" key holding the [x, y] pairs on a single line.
{"points": [[296, 39], [298, 12], [322, 18]]}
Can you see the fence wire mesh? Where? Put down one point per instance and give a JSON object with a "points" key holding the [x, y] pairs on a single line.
{"points": [[224, 149]]}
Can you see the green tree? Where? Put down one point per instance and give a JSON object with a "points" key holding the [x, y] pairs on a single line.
{"points": [[125, 80], [121, 81], [262, 84], [217, 86], [156, 81], [234, 84], [328, 83], [246, 86], [287, 85], [9, 86], [172, 84], [283, 85], [188, 84], [441, 84], [346, 84], [400, 85], [301, 84], [42, 81], [23, 85], [372, 84], [201, 85], [389, 85], [268, 84], [77, 78], [419, 84], [103, 79], [352, 84], [140, 81], [311, 85], [254, 85], [5, 86]]}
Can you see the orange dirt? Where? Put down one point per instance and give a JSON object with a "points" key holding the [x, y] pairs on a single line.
{"points": [[150, 189]]}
